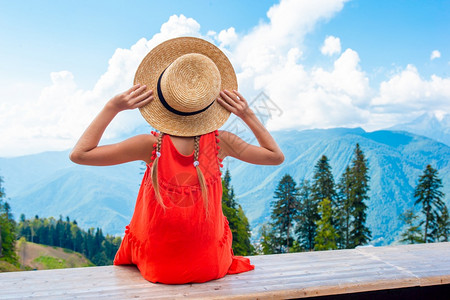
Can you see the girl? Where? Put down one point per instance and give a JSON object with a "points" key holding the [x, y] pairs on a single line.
{"points": [[186, 88]]}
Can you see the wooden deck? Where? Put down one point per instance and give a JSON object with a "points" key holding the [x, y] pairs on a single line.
{"points": [[282, 276]]}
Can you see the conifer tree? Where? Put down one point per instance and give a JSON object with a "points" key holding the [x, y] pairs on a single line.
{"points": [[2, 222], [77, 237], [323, 187], [243, 245], [307, 217], [429, 196], [344, 209], [323, 181], [359, 233], [7, 230], [285, 209], [443, 226], [238, 222], [412, 233], [268, 241], [326, 235]]}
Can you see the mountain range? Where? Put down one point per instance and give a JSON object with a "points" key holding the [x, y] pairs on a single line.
{"points": [[428, 125], [49, 184]]}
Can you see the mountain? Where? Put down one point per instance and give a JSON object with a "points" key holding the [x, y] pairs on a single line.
{"points": [[48, 184], [396, 160], [428, 125]]}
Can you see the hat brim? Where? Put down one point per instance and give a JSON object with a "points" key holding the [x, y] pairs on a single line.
{"points": [[156, 61]]}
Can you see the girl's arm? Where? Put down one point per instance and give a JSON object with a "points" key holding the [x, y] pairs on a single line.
{"points": [[230, 144], [87, 151]]}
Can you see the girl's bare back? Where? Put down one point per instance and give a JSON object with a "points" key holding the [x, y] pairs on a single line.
{"points": [[184, 145]]}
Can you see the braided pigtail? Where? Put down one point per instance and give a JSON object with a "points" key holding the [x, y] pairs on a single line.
{"points": [[201, 178], [156, 155]]}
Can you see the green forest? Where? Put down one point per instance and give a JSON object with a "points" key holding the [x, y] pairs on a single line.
{"points": [[99, 249], [322, 215]]}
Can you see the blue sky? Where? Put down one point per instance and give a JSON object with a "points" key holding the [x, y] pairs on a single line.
{"points": [[378, 69], [81, 36]]}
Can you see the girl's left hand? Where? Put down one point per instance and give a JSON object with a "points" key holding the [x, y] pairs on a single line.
{"points": [[135, 97], [234, 102]]}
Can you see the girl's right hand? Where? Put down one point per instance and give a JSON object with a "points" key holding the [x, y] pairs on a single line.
{"points": [[135, 97]]}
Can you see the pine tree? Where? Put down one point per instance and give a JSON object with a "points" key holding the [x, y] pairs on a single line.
{"points": [[2, 222], [344, 209], [238, 222], [326, 235], [443, 226], [323, 182], [228, 197], [243, 245], [285, 209], [268, 240], [359, 233], [77, 237], [323, 187], [429, 196], [307, 218], [24, 228], [412, 234], [7, 230]]}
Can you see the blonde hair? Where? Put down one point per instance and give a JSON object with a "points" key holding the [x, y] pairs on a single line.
{"points": [[201, 178]]}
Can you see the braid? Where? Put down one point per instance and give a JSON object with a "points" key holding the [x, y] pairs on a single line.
{"points": [[155, 171], [201, 178]]}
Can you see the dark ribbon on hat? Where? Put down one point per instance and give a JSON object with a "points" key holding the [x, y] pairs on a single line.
{"points": [[170, 108]]}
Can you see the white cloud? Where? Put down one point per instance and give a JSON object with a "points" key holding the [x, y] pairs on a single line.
{"points": [[435, 54], [317, 98], [407, 91], [227, 37], [268, 43], [346, 77], [269, 60], [331, 45]]}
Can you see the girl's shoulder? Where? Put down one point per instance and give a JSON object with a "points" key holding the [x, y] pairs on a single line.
{"points": [[143, 144], [146, 138]]}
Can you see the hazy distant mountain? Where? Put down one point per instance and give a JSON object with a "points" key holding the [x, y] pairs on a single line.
{"points": [[428, 125], [48, 184]]}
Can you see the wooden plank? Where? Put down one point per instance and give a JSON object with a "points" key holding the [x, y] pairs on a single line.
{"points": [[293, 275]]}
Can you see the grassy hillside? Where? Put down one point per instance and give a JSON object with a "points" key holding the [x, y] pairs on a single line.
{"points": [[7, 267], [40, 257]]}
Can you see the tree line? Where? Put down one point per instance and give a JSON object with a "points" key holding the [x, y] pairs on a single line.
{"points": [[320, 215], [7, 230], [99, 249]]}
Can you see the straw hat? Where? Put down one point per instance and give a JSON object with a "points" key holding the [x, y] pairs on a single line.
{"points": [[186, 75]]}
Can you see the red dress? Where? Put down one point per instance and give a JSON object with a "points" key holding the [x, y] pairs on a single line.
{"points": [[181, 245]]}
